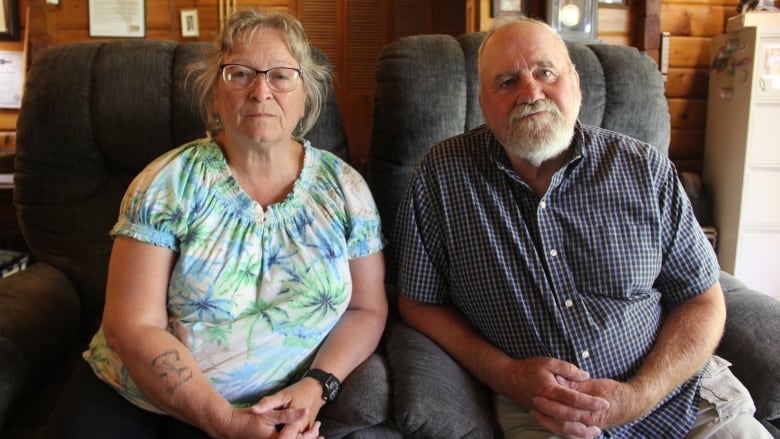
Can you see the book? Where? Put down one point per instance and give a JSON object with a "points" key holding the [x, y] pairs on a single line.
{"points": [[752, 19], [12, 262]]}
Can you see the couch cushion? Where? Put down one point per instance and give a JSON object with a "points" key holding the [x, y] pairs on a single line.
{"points": [[39, 320], [752, 316], [433, 396], [13, 376], [635, 102], [364, 401]]}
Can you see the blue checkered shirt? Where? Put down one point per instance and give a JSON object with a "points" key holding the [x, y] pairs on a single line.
{"points": [[583, 274]]}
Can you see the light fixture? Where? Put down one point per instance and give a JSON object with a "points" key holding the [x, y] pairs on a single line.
{"points": [[575, 20]]}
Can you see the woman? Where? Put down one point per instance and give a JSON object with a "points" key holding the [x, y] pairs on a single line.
{"points": [[242, 260]]}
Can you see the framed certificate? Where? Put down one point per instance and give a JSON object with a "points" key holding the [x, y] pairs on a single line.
{"points": [[11, 78], [117, 18]]}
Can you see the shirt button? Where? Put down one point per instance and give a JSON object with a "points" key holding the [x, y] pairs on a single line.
{"points": [[569, 303], [553, 252], [585, 354], [542, 204]]}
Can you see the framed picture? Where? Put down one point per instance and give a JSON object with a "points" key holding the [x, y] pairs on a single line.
{"points": [[117, 18], [504, 6], [189, 23], [12, 74], [9, 20]]}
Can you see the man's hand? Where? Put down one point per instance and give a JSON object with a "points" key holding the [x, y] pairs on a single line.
{"points": [[547, 388], [626, 404]]}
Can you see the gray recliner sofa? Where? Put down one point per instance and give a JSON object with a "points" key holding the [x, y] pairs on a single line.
{"points": [[426, 91]]}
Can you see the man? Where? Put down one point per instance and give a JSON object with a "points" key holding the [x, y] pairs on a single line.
{"points": [[562, 265]]}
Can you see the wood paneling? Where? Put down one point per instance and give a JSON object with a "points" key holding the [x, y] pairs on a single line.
{"points": [[694, 20], [7, 120], [688, 113], [364, 41], [691, 52], [690, 83], [321, 20], [614, 21], [692, 24]]}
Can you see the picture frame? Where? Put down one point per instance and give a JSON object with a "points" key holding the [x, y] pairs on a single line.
{"points": [[12, 74], [117, 18], [189, 23], [9, 20], [507, 6]]}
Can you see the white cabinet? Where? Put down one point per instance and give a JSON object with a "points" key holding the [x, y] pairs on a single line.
{"points": [[742, 153]]}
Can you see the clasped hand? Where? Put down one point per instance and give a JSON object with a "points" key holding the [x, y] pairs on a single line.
{"points": [[565, 400], [287, 414]]}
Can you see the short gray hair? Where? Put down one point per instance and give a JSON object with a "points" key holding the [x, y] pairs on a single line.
{"points": [[240, 27], [507, 19]]}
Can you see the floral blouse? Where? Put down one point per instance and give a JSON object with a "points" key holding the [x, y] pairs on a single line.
{"points": [[254, 291]]}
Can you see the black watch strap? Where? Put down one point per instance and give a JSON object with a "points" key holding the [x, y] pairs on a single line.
{"points": [[330, 384]]}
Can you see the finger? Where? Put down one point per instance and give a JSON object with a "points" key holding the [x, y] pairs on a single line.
{"points": [[287, 416], [293, 431], [565, 428], [289, 432], [569, 371], [269, 403], [585, 412], [573, 398], [312, 433]]}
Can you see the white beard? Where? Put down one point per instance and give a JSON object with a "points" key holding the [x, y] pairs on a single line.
{"points": [[541, 137]]}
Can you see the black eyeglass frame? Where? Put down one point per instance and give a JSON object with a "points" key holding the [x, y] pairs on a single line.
{"points": [[257, 73]]}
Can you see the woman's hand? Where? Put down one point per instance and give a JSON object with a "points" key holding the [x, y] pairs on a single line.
{"points": [[245, 423], [305, 397]]}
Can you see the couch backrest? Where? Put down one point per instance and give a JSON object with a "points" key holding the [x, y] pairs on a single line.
{"points": [[426, 91], [92, 116]]}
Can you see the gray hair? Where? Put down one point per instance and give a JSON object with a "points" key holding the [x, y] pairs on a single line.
{"points": [[507, 19], [239, 28]]}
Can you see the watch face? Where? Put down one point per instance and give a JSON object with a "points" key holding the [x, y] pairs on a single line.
{"points": [[330, 389], [330, 384]]}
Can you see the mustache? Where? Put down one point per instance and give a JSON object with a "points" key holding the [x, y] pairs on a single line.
{"points": [[523, 110]]}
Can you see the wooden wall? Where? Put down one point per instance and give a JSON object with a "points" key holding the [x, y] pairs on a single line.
{"points": [[692, 24], [351, 32]]}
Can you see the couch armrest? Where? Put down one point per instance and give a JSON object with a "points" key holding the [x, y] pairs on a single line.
{"points": [[363, 404], [432, 395], [750, 343], [39, 322]]}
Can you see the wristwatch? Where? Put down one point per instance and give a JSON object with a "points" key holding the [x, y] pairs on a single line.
{"points": [[330, 384]]}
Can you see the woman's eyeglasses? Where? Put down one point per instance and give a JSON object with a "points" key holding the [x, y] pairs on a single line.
{"points": [[279, 79]]}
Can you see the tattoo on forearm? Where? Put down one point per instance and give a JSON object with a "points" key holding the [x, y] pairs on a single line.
{"points": [[171, 370]]}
